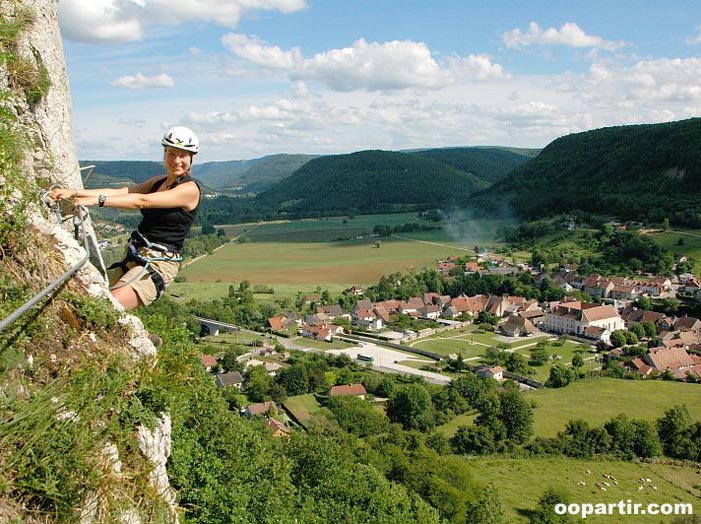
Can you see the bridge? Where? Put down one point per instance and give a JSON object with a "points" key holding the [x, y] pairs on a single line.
{"points": [[213, 327]]}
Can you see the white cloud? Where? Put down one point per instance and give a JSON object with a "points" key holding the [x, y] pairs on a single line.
{"points": [[127, 20], [98, 20], [648, 82], [569, 35], [283, 111], [141, 81], [479, 67], [374, 66], [335, 122], [369, 66], [694, 39], [256, 51]]}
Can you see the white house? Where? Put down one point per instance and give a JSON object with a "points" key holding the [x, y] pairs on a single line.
{"points": [[576, 317]]}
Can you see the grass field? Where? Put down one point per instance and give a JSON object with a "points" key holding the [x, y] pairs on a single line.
{"points": [[240, 337], [313, 263], [300, 255], [304, 407], [562, 354], [473, 343], [451, 427], [323, 345], [323, 229], [521, 482], [692, 242], [599, 399], [210, 290], [297, 256], [447, 346], [460, 229]]}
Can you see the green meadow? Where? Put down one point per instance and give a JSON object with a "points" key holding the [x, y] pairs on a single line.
{"points": [[314, 263], [325, 229], [331, 253], [458, 230], [691, 242], [305, 407], [521, 482], [597, 400], [472, 343]]}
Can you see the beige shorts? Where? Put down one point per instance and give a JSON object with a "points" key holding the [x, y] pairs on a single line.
{"points": [[139, 279]]}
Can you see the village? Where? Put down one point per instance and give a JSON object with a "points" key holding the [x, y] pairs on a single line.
{"points": [[672, 344]]}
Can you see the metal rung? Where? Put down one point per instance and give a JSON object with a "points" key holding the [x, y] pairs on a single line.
{"points": [[91, 168]]}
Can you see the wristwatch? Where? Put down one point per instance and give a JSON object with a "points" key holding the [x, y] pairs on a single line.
{"points": [[101, 200]]}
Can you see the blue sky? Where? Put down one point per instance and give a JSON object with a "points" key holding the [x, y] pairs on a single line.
{"points": [[258, 77]]}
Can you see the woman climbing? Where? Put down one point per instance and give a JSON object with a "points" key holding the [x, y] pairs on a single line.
{"points": [[169, 206]]}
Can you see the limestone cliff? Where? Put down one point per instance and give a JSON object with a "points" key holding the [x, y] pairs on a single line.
{"points": [[56, 358]]}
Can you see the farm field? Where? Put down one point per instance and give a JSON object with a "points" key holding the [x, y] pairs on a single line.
{"points": [[322, 229], [461, 231], [313, 263], [598, 400], [297, 256], [521, 482], [211, 290]]}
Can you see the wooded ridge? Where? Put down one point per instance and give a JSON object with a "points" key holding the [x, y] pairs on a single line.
{"points": [[641, 172]]}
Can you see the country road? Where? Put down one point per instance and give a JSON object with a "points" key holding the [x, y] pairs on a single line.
{"points": [[433, 243]]}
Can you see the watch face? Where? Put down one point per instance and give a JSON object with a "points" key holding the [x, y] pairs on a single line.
{"points": [[101, 200]]}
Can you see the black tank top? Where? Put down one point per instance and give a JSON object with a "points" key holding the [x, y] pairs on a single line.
{"points": [[168, 226]]}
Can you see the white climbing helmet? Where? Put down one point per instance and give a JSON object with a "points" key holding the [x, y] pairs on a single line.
{"points": [[181, 138]]}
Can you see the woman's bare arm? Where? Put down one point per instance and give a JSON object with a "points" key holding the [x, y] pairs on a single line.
{"points": [[185, 195]]}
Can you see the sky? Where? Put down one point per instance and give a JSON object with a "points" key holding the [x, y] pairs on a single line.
{"points": [[259, 77]]}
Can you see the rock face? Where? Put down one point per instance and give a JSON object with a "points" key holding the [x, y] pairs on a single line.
{"points": [[47, 120], [155, 444]]}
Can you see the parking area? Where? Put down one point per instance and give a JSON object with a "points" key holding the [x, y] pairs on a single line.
{"points": [[387, 360]]}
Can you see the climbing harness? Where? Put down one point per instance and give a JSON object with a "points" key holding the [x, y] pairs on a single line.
{"points": [[134, 253], [136, 244]]}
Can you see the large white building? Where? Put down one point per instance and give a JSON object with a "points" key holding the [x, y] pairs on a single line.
{"points": [[576, 317]]}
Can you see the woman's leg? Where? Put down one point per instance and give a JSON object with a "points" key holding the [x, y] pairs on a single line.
{"points": [[126, 296]]}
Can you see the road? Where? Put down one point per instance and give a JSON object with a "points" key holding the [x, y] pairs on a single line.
{"points": [[433, 243], [387, 360]]}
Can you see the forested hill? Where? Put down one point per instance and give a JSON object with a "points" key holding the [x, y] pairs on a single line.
{"points": [[249, 176], [222, 175], [370, 182], [488, 163], [640, 172], [119, 172], [270, 169]]}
